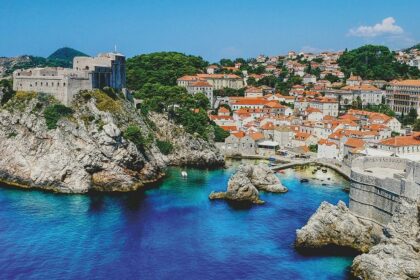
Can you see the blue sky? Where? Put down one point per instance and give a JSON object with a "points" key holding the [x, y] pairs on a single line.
{"points": [[212, 28]]}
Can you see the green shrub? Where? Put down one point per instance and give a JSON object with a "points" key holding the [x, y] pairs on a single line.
{"points": [[165, 147], [53, 113], [106, 103], [220, 134], [133, 134]]}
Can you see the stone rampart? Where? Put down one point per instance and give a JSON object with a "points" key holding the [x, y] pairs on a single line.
{"points": [[375, 193]]}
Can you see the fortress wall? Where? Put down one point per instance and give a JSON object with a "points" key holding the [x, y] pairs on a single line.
{"points": [[376, 198]]}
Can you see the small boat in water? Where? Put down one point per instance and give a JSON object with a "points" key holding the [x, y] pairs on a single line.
{"points": [[184, 173], [304, 180]]}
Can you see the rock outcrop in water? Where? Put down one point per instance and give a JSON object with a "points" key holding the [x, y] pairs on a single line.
{"points": [[389, 253], [188, 149], [397, 256], [84, 150], [336, 225], [243, 186]]}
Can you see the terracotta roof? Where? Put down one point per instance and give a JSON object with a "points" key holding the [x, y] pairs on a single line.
{"points": [[415, 83], [256, 136], [268, 126], [326, 142], [302, 136], [238, 134], [188, 78], [364, 87], [354, 143], [201, 84], [229, 127], [218, 76], [349, 117], [223, 110], [312, 110], [400, 141], [274, 104]]}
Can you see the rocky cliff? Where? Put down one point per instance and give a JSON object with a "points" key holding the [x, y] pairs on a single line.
{"points": [[397, 256], [336, 225], [188, 150], [392, 252], [245, 184], [87, 149]]}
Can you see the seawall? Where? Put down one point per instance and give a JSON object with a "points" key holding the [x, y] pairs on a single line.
{"points": [[377, 185]]}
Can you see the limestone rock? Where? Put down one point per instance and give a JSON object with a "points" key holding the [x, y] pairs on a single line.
{"points": [[79, 155], [243, 186], [265, 179], [240, 187], [336, 225], [189, 150], [88, 151], [397, 256]]}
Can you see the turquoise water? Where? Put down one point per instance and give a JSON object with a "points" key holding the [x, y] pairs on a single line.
{"points": [[169, 232]]}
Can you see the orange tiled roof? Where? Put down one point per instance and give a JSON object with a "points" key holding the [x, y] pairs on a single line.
{"points": [[400, 141], [326, 142], [218, 76], [302, 136], [312, 110], [256, 136], [201, 84], [415, 83], [238, 134], [229, 127], [223, 110], [354, 143]]}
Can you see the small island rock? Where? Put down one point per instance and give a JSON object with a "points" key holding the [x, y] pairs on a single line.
{"points": [[243, 186]]}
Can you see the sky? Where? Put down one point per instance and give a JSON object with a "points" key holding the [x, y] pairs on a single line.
{"points": [[213, 29]]}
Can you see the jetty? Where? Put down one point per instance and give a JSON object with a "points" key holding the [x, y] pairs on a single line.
{"points": [[335, 165]]}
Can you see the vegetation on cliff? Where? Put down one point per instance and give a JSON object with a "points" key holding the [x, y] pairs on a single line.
{"points": [[161, 68], [53, 113]]}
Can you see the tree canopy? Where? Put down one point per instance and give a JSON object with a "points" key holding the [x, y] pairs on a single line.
{"points": [[375, 63], [161, 68]]}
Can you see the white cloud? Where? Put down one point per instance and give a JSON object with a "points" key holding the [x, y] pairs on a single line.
{"points": [[386, 27]]}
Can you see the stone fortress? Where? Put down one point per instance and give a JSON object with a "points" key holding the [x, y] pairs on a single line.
{"points": [[378, 183], [104, 70]]}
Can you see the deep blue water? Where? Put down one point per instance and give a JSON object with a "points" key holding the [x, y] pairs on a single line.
{"points": [[169, 232]]}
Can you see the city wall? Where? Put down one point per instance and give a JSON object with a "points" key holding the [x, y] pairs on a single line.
{"points": [[375, 197]]}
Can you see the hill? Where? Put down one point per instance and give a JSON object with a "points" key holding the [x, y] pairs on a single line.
{"points": [[65, 54], [416, 46], [161, 68], [375, 63], [60, 58]]}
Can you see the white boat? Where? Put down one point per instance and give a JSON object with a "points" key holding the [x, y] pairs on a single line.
{"points": [[184, 173]]}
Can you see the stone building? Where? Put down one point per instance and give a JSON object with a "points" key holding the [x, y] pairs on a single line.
{"points": [[402, 96], [104, 70]]}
